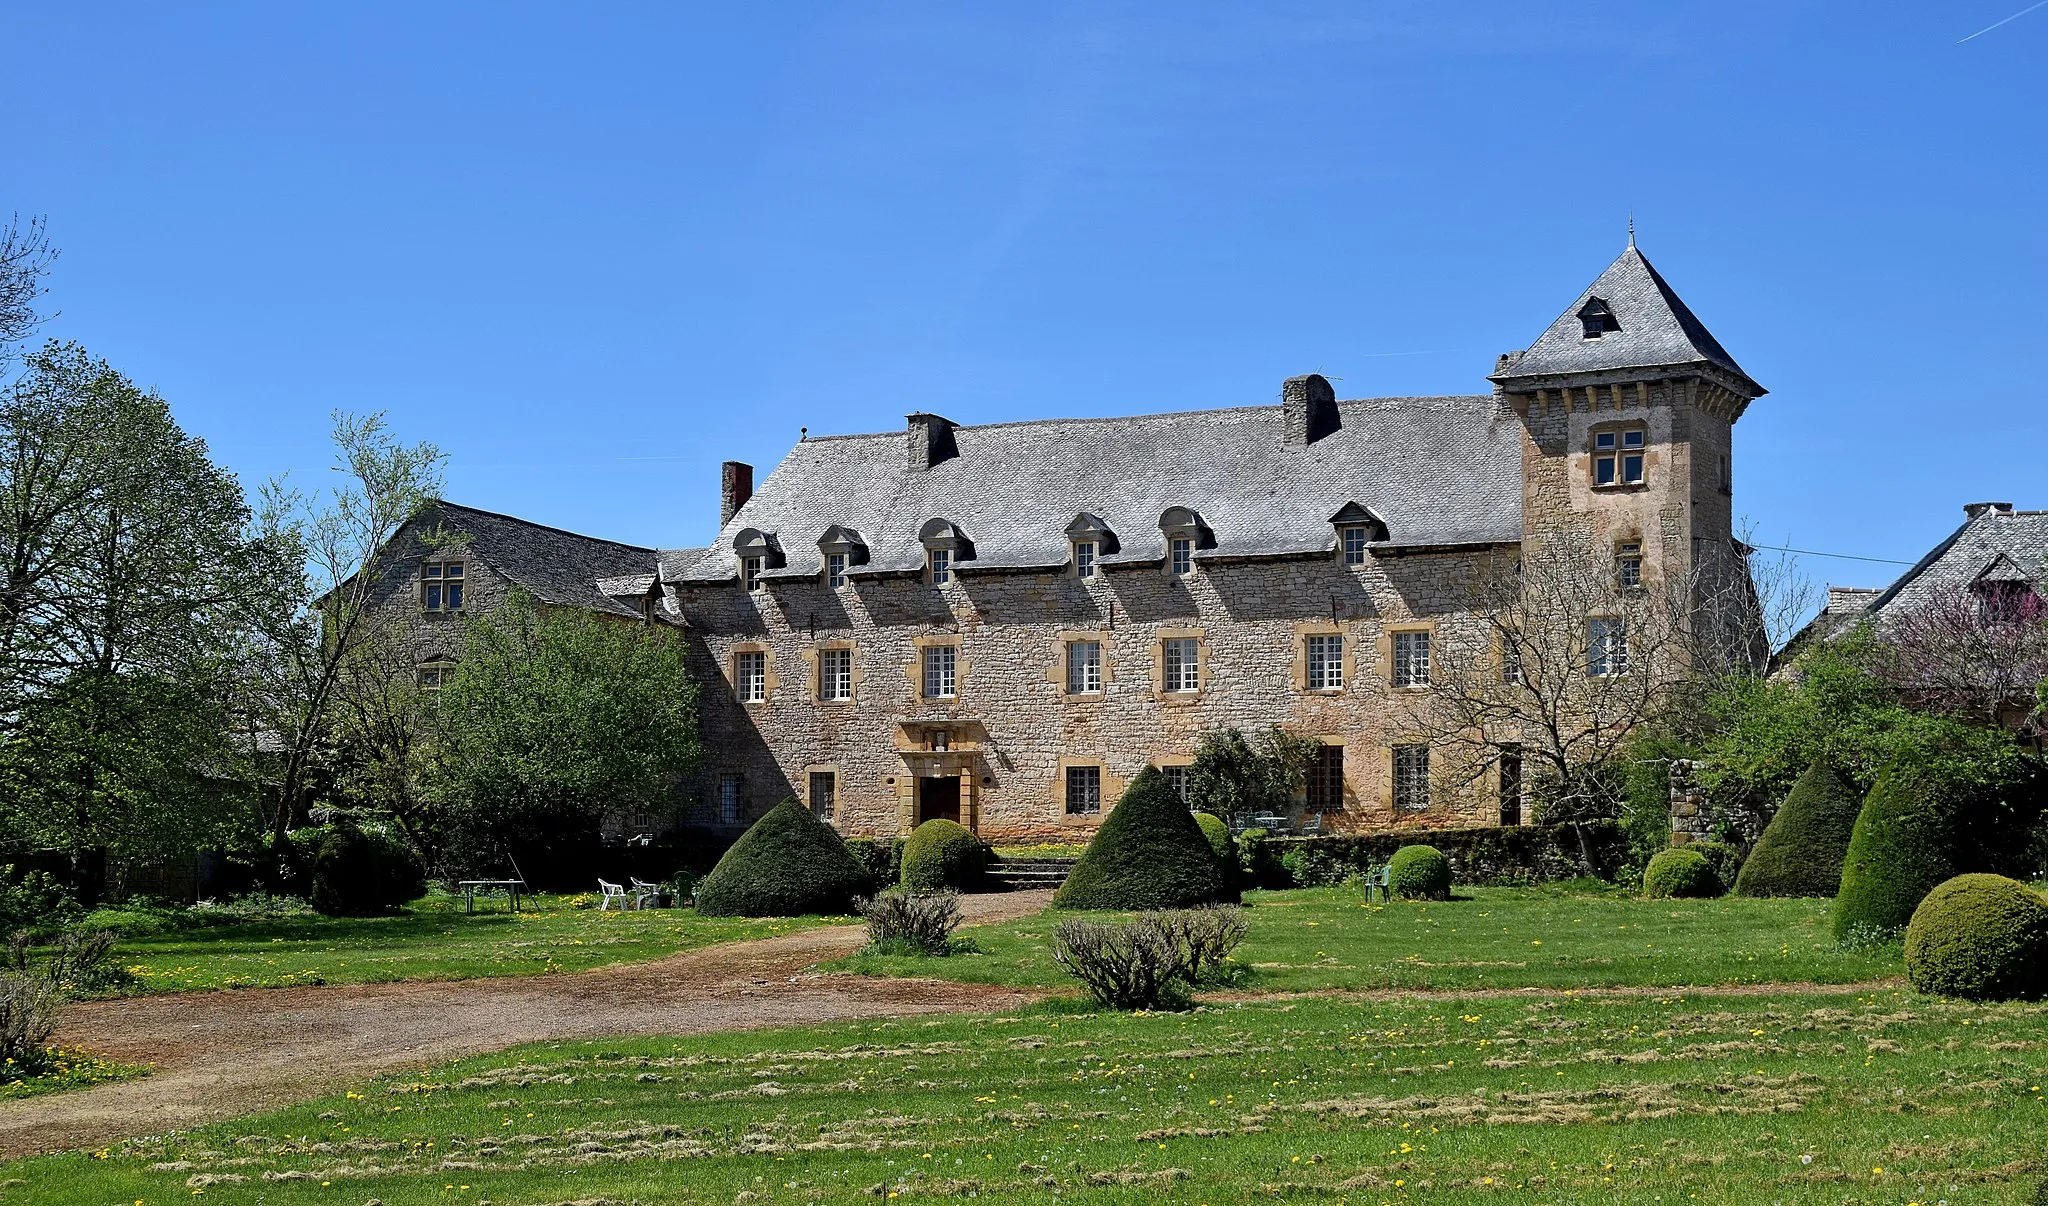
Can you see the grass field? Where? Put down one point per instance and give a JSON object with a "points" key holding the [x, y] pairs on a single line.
{"points": [[432, 940], [59, 1069], [1531, 1097], [1556, 937]]}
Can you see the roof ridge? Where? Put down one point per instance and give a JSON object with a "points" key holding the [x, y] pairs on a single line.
{"points": [[442, 502], [1156, 414]]}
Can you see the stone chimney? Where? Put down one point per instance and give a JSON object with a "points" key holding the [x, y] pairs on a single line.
{"points": [[1311, 409], [1980, 510], [931, 441], [735, 487]]}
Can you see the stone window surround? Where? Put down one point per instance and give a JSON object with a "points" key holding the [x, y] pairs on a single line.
{"points": [[1177, 761], [1346, 794], [1200, 637], [435, 669], [1057, 673], [1616, 427], [1389, 763], [1112, 790], [838, 783], [769, 678], [1386, 650], [914, 671], [1305, 629], [1624, 542], [811, 670]]}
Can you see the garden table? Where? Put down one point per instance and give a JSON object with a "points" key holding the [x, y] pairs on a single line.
{"points": [[510, 887]]}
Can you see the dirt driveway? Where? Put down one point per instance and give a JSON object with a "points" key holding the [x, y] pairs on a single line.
{"points": [[219, 1054]]}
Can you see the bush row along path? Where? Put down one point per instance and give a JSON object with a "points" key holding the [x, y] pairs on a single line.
{"points": [[220, 1054]]}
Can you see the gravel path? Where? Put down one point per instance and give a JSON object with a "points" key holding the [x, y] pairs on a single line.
{"points": [[219, 1054]]}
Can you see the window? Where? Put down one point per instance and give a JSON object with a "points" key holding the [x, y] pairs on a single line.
{"points": [[1628, 565], [1411, 778], [835, 570], [1727, 476], [1084, 559], [824, 794], [1181, 664], [1618, 457], [750, 572], [1411, 659], [1181, 555], [941, 664], [729, 809], [441, 586], [1325, 662], [1177, 779], [750, 676], [1084, 790], [942, 566], [1354, 540], [835, 674], [1326, 780], [1084, 667], [1596, 319], [1606, 647], [433, 674], [1511, 672], [1511, 785]]}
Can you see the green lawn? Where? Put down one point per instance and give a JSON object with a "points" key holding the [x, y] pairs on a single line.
{"points": [[1820, 1096], [432, 940], [1558, 937], [62, 1068]]}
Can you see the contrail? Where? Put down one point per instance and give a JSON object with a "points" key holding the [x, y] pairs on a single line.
{"points": [[2016, 16]]}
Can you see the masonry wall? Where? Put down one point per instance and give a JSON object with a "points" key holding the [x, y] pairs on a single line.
{"points": [[1013, 729]]}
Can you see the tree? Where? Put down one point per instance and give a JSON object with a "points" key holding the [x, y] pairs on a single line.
{"points": [[1978, 655], [553, 718], [1232, 776], [25, 257]]}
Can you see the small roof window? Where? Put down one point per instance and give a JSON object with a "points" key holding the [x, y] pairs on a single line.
{"points": [[944, 534], [1596, 319], [845, 541], [753, 542]]}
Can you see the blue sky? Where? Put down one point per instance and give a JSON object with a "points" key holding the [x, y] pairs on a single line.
{"points": [[594, 253]]}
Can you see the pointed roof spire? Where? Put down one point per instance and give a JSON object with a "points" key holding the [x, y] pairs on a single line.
{"points": [[1640, 324], [1631, 231]]}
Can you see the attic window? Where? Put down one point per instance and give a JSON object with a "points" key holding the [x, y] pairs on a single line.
{"points": [[1185, 532], [1089, 538], [1595, 319], [1357, 527], [841, 548]]}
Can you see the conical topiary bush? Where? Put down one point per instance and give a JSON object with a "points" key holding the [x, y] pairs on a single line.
{"points": [[1902, 846], [1802, 849], [788, 864], [1149, 854]]}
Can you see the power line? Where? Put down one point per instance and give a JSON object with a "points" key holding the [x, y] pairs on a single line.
{"points": [[1779, 548]]}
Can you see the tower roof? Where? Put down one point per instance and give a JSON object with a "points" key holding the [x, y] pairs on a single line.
{"points": [[1642, 324]]}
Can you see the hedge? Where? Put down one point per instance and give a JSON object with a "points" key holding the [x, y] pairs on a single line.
{"points": [[1902, 846], [1802, 850], [943, 854], [1218, 832], [1150, 853], [1492, 854], [1980, 937], [363, 872], [1419, 873], [788, 864], [1681, 872]]}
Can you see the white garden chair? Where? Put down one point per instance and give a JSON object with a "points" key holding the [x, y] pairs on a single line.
{"points": [[611, 892]]}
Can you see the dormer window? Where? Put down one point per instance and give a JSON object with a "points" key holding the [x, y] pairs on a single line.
{"points": [[1357, 527], [835, 570], [940, 564], [841, 548], [1618, 457], [1628, 564], [750, 573], [1084, 559], [1090, 538], [945, 546], [1180, 555], [1185, 532], [1596, 319], [757, 552]]}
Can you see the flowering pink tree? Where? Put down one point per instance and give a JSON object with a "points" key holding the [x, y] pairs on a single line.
{"points": [[1976, 653]]}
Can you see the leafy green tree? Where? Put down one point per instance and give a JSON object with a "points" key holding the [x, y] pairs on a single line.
{"points": [[553, 718], [1233, 775]]}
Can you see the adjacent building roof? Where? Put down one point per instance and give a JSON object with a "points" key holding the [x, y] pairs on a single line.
{"points": [[1438, 471], [557, 567], [1646, 326]]}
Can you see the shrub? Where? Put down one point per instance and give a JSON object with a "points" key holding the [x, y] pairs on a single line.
{"points": [[908, 923], [33, 899], [1152, 961], [943, 854], [1680, 872], [1218, 833], [1419, 872], [1901, 847], [1201, 939], [1149, 854], [361, 872], [1310, 867], [1726, 861], [881, 858], [787, 864], [1980, 937], [28, 1014], [1802, 849], [1258, 861]]}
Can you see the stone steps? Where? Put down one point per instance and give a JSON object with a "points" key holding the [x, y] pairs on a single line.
{"points": [[1023, 874]]}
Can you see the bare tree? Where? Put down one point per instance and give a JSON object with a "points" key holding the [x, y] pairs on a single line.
{"points": [[1979, 655], [25, 258]]}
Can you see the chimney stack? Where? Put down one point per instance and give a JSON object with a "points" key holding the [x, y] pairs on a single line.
{"points": [[1980, 510], [931, 441], [1311, 409], [735, 487]]}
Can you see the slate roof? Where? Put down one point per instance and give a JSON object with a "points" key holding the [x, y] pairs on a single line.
{"points": [[1657, 330], [558, 567], [1439, 471], [671, 563], [1998, 545]]}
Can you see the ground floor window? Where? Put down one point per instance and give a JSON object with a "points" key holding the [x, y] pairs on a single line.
{"points": [[824, 794], [1411, 778], [1084, 790], [1177, 779], [729, 799], [1326, 780]]}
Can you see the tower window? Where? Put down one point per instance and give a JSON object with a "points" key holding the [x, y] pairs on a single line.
{"points": [[1628, 565], [1596, 319], [1606, 647], [1618, 457]]}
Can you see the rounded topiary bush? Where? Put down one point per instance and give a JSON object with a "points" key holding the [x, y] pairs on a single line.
{"points": [[1150, 853], [943, 854], [1680, 872], [1419, 873], [1802, 849], [1902, 846], [1725, 860], [1980, 937], [1218, 833], [361, 872], [788, 864]]}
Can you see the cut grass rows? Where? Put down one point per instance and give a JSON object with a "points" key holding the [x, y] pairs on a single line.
{"points": [[1817, 1096]]}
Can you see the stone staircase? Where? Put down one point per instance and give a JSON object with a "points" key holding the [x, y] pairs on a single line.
{"points": [[1023, 874]]}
